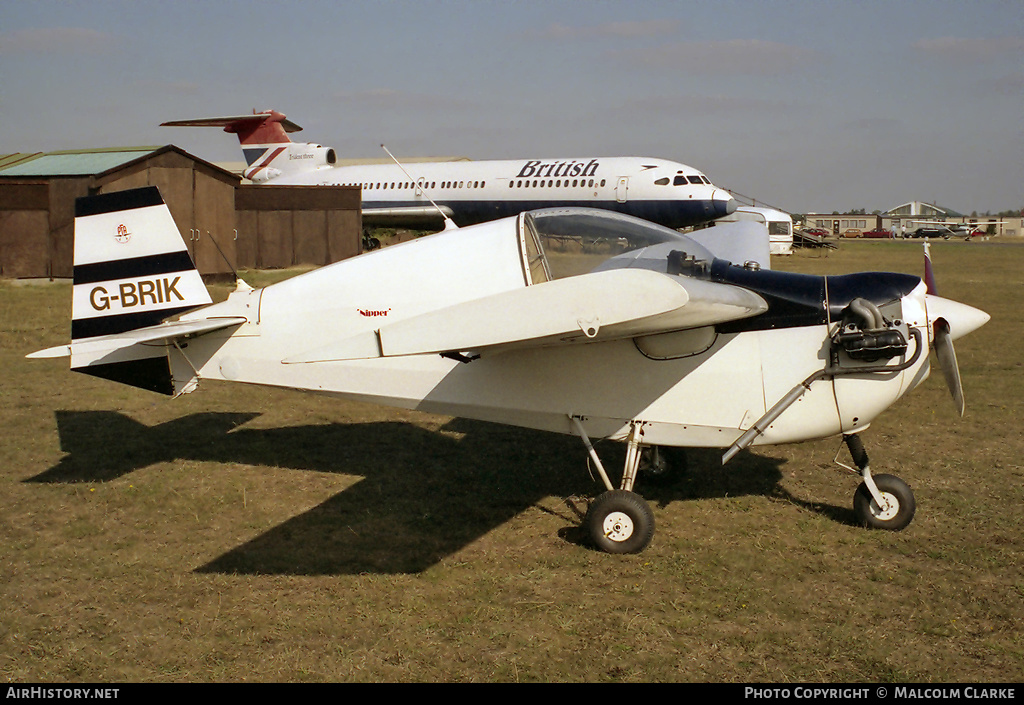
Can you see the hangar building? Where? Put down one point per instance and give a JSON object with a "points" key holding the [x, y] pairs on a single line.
{"points": [[224, 226]]}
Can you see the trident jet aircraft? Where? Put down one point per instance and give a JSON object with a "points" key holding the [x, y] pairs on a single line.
{"points": [[571, 320], [468, 192]]}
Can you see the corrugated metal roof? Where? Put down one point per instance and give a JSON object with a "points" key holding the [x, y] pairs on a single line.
{"points": [[7, 160], [76, 162]]}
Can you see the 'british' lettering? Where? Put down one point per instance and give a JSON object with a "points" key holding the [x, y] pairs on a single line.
{"points": [[535, 167]]}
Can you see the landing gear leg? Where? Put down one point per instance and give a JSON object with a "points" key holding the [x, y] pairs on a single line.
{"points": [[370, 242], [619, 521], [881, 501]]}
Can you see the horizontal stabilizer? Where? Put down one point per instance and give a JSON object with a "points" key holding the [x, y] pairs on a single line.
{"points": [[163, 333], [600, 306], [232, 120]]}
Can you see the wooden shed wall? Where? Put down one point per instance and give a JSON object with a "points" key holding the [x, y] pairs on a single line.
{"points": [[201, 201], [225, 226], [37, 226], [282, 226]]}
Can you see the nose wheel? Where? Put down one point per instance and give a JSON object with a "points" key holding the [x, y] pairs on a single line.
{"points": [[894, 512], [881, 501]]}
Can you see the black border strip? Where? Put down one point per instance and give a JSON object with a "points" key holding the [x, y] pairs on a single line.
{"points": [[133, 267], [150, 373], [118, 201], [119, 323]]}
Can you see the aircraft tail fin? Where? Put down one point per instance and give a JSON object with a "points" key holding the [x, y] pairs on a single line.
{"points": [[131, 271], [263, 128], [268, 150]]}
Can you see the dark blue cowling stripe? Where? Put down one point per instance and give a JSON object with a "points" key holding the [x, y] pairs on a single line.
{"points": [[796, 300]]}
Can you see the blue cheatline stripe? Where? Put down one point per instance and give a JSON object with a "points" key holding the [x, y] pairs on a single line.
{"points": [[118, 201], [133, 267], [119, 323], [671, 214]]}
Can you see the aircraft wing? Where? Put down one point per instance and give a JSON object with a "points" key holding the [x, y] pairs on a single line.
{"points": [[161, 333], [599, 306]]}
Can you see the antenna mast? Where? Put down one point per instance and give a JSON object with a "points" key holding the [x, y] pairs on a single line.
{"points": [[449, 224]]}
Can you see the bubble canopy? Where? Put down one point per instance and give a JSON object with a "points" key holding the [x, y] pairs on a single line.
{"points": [[579, 240]]}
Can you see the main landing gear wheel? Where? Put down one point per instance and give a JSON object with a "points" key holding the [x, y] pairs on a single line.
{"points": [[898, 509], [619, 521]]}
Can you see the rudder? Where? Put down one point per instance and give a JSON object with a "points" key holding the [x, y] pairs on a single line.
{"points": [[131, 270]]}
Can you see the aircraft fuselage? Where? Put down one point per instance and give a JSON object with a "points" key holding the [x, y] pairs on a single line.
{"points": [[660, 191]]}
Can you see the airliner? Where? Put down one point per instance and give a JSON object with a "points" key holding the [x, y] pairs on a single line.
{"points": [[468, 192]]}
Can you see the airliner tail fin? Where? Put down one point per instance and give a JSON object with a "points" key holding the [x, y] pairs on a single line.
{"points": [[268, 150]]}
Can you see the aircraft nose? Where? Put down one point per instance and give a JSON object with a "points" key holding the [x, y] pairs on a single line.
{"points": [[961, 318], [724, 203]]}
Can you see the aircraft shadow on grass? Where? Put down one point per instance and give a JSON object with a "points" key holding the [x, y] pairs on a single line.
{"points": [[424, 494]]}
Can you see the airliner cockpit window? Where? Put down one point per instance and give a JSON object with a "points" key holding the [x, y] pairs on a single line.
{"points": [[695, 180], [580, 240], [679, 181], [663, 181]]}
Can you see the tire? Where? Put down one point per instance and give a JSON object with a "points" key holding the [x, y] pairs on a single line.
{"points": [[896, 516], [620, 522]]}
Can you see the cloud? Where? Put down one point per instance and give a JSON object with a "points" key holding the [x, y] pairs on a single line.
{"points": [[754, 57], [55, 40], [970, 49], [622, 30]]}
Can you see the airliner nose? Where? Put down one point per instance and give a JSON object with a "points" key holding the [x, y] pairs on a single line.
{"points": [[961, 318], [723, 202]]}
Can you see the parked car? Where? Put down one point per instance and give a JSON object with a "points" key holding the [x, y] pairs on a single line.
{"points": [[930, 233], [819, 232], [880, 232]]}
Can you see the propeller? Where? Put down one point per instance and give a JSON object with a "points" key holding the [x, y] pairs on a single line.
{"points": [[949, 320], [943, 345]]}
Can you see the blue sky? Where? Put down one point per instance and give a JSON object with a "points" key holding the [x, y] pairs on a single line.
{"points": [[808, 106]]}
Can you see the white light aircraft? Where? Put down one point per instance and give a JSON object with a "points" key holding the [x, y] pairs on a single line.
{"points": [[577, 321], [469, 192], [949, 228]]}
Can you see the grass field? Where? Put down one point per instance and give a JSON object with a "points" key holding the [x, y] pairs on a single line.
{"points": [[244, 534]]}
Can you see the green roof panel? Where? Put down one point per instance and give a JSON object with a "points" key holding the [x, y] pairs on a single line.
{"points": [[76, 163]]}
